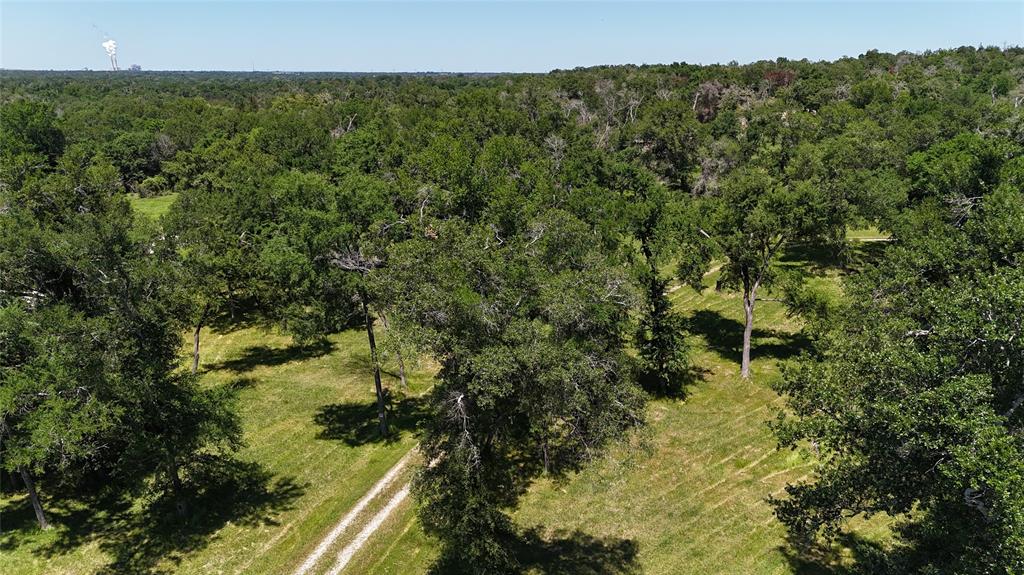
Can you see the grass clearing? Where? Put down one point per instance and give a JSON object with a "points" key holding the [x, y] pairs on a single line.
{"points": [[685, 496], [868, 234], [309, 421], [689, 495], [153, 207]]}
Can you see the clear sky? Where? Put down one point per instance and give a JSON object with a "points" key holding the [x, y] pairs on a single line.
{"points": [[484, 36]]}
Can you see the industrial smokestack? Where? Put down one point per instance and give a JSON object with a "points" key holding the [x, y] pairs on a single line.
{"points": [[111, 47]]}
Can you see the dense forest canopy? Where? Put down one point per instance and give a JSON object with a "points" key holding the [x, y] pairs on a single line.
{"points": [[523, 231]]}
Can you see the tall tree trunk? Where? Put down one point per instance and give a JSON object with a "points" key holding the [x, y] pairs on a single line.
{"points": [[381, 409], [749, 297], [401, 370], [231, 300], [195, 348], [33, 496], [398, 356], [195, 338], [751, 281], [180, 503]]}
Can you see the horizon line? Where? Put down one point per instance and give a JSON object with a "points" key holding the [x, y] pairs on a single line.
{"points": [[1003, 48]]}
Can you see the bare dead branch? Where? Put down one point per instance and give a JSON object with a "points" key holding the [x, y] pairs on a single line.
{"points": [[354, 261]]}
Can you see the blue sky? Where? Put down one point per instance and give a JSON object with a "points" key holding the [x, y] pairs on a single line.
{"points": [[421, 35]]}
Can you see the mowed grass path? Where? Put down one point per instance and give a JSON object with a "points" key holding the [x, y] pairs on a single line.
{"points": [[686, 497], [309, 423]]}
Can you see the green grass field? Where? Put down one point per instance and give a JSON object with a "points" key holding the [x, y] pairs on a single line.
{"points": [[689, 494], [870, 234], [153, 207], [309, 422], [685, 495]]}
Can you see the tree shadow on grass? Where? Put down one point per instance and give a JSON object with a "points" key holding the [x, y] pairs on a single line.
{"points": [[154, 540], [226, 490], [75, 520], [577, 553], [264, 356], [240, 383], [356, 423], [362, 363], [564, 553], [677, 386], [864, 557], [819, 258], [724, 336], [863, 253]]}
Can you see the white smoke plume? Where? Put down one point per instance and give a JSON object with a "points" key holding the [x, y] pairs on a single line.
{"points": [[111, 47]]}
